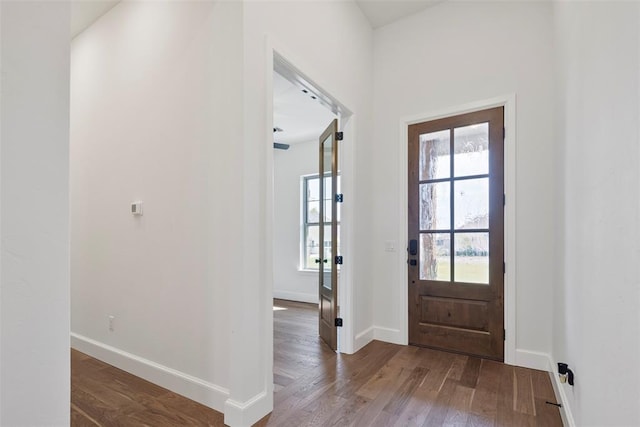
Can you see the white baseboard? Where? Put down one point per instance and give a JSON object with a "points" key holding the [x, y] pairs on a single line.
{"points": [[296, 296], [245, 414], [388, 335], [558, 388], [201, 391], [533, 360], [363, 338], [378, 333], [544, 362]]}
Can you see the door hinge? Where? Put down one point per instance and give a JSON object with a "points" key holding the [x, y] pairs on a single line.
{"points": [[504, 133], [504, 200], [339, 136], [338, 322], [504, 335], [338, 260], [504, 267], [339, 198]]}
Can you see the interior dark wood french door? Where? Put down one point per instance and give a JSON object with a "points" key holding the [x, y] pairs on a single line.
{"points": [[456, 233], [328, 272]]}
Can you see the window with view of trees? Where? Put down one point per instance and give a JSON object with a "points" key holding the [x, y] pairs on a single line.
{"points": [[311, 256]]}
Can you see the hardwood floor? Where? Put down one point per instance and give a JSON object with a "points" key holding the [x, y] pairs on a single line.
{"points": [[102, 395], [381, 385], [391, 385]]}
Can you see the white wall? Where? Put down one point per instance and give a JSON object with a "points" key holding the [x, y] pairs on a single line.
{"points": [[170, 106], [597, 311], [156, 116], [34, 152], [288, 166], [453, 54]]}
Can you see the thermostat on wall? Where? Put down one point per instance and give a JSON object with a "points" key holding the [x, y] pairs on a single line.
{"points": [[136, 208]]}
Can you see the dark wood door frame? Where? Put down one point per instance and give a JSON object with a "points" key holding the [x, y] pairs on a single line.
{"points": [[328, 292], [508, 101], [447, 311]]}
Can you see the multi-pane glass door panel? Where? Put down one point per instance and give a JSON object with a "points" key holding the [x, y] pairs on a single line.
{"points": [[327, 223], [454, 207], [312, 241], [313, 199]]}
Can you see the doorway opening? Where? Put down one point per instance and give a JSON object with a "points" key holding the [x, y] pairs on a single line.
{"points": [[301, 204]]}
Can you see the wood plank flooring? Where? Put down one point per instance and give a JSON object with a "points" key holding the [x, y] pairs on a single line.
{"points": [[102, 395], [381, 385]]}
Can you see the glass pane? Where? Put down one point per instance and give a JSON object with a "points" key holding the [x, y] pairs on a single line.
{"points": [[327, 150], [434, 155], [471, 203], [312, 247], [327, 242], [471, 150], [326, 191], [327, 186], [435, 256], [435, 207], [327, 198], [313, 211], [313, 189], [328, 257], [327, 211], [338, 205], [472, 257]]}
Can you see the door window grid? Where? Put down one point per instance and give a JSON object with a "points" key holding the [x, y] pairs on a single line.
{"points": [[443, 244], [310, 235]]}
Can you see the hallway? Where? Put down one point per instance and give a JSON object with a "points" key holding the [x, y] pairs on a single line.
{"points": [[383, 385]]}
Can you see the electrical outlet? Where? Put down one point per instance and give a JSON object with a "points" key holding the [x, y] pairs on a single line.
{"points": [[111, 319]]}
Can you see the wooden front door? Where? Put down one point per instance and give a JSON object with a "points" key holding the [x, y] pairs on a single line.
{"points": [[456, 233], [328, 272]]}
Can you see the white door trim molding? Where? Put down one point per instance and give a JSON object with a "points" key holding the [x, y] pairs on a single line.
{"points": [[292, 68], [509, 103]]}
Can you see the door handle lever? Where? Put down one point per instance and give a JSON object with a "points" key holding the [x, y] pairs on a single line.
{"points": [[413, 247]]}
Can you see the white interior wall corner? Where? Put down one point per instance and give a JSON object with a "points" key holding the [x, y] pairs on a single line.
{"points": [[153, 101], [598, 102], [34, 200]]}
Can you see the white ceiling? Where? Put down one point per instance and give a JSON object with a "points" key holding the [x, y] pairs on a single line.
{"points": [[300, 117], [383, 12], [378, 12]]}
